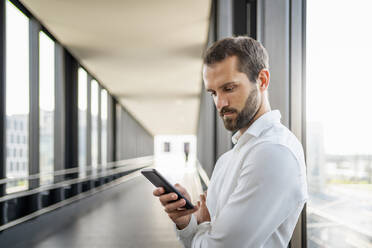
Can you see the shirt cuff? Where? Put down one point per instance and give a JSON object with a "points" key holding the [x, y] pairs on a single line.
{"points": [[204, 227], [189, 230]]}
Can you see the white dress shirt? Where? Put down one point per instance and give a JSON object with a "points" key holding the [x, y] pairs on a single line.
{"points": [[256, 193]]}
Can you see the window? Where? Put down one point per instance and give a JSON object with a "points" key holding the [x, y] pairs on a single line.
{"points": [[46, 107], [95, 120], [104, 127], [82, 106], [339, 134], [17, 78]]}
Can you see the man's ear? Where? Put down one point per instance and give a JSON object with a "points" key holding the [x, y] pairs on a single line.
{"points": [[263, 79]]}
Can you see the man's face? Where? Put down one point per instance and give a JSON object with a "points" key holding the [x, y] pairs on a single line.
{"points": [[236, 98]]}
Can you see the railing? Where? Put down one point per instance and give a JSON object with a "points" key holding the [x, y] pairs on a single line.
{"points": [[109, 165], [203, 175], [112, 174]]}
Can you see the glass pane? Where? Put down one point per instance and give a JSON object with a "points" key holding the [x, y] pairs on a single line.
{"points": [[47, 93], [94, 114], [339, 136], [104, 127], [82, 105], [17, 96]]}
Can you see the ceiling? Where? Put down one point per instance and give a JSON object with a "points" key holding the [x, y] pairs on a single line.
{"points": [[146, 53]]}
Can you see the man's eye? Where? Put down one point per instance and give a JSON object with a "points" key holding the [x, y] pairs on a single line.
{"points": [[229, 88], [213, 93]]}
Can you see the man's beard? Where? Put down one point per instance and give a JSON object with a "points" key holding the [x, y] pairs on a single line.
{"points": [[245, 116]]}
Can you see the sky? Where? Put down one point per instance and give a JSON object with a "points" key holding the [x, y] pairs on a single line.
{"points": [[339, 85], [17, 73]]}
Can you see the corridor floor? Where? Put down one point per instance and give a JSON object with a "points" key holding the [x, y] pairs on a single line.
{"points": [[131, 219]]}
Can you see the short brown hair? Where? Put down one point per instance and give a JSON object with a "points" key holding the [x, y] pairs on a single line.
{"points": [[251, 54]]}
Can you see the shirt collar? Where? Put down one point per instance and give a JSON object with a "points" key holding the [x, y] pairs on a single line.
{"points": [[265, 121]]}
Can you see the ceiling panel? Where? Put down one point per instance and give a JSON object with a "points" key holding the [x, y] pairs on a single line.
{"points": [[147, 53]]}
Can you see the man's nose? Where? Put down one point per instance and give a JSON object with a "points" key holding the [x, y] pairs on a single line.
{"points": [[221, 102]]}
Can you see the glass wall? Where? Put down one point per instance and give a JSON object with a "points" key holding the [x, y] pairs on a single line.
{"points": [[104, 127], [82, 107], [47, 102], [17, 96], [339, 134], [95, 120]]}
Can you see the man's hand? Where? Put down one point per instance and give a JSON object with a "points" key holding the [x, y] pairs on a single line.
{"points": [[175, 207], [203, 214]]}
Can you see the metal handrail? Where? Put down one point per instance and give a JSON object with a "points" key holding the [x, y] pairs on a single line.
{"points": [[89, 168], [122, 166], [70, 200], [66, 183], [203, 175]]}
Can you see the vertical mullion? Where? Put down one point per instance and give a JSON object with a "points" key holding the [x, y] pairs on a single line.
{"points": [[59, 114], [225, 28], [303, 110], [113, 136], [224, 19], [260, 21], [99, 135], [240, 24], [110, 129], [71, 113], [59, 119], [119, 133], [296, 113], [71, 122], [2, 108], [252, 19], [89, 125], [33, 145]]}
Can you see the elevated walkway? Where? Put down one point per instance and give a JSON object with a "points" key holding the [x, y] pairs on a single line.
{"points": [[125, 215], [131, 217]]}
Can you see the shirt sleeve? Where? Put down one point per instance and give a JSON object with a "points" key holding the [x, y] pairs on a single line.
{"points": [[185, 235], [267, 192]]}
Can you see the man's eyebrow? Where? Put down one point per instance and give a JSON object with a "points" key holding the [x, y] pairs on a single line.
{"points": [[226, 84]]}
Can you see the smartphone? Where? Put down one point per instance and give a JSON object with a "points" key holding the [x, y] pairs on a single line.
{"points": [[159, 181]]}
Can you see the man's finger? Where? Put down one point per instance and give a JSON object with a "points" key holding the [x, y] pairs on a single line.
{"points": [[174, 205], [165, 199], [158, 191], [177, 214], [181, 189]]}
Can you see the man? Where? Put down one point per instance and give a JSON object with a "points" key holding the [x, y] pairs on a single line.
{"points": [[258, 188], [186, 149]]}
